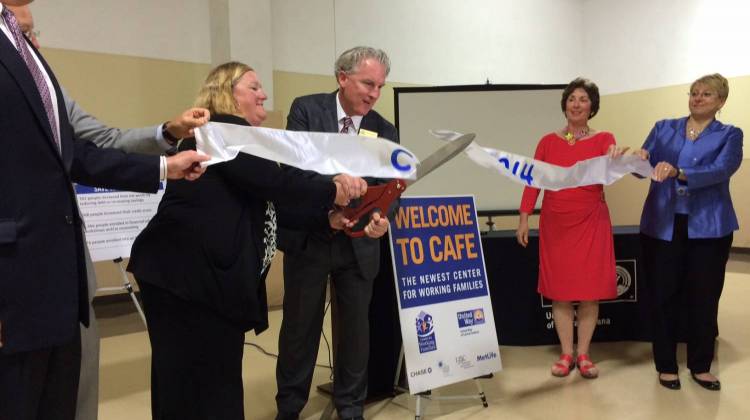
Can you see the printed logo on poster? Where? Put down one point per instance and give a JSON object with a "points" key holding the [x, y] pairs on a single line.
{"points": [[420, 372], [425, 333], [470, 318], [444, 367], [464, 362], [486, 356]]}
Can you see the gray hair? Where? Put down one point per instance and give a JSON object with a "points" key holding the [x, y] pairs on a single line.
{"points": [[350, 59]]}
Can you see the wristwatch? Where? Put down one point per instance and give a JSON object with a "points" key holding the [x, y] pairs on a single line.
{"points": [[168, 137], [680, 172]]}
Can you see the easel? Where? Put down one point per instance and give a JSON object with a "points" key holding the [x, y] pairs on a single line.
{"points": [[427, 395], [126, 286]]}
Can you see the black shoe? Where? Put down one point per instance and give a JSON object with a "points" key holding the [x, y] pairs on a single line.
{"points": [[673, 384], [709, 385]]}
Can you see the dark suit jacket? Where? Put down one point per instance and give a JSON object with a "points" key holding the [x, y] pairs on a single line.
{"points": [[318, 113], [205, 243], [42, 269]]}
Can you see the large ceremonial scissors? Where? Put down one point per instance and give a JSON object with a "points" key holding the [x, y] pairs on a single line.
{"points": [[380, 197]]}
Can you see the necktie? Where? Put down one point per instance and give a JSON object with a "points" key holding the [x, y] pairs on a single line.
{"points": [[36, 72], [348, 123]]}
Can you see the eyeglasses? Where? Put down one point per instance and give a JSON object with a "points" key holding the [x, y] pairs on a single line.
{"points": [[704, 95], [32, 34]]}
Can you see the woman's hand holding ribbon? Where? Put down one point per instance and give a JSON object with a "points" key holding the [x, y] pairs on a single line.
{"points": [[663, 170], [348, 188]]}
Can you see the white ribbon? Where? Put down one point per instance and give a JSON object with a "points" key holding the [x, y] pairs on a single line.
{"points": [[543, 175], [325, 153]]}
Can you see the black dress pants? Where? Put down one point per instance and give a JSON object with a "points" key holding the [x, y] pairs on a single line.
{"points": [[196, 361], [41, 384], [685, 278], [305, 279]]}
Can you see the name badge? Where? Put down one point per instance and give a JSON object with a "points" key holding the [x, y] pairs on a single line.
{"points": [[367, 133]]}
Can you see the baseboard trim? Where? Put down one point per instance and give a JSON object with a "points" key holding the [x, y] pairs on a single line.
{"points": [[114, 298]]}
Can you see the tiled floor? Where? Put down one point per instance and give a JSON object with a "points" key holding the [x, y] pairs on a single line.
{"points": [[626, 389]]}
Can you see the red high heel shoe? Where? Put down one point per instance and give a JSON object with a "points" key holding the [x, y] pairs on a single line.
{"points": [[562, 367], [588, 370]]}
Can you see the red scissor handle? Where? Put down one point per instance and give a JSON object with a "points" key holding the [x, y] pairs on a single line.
{"points": [[377, 197]]}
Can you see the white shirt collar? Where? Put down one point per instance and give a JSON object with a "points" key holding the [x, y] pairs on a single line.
{"points": [[5, 28], [340, 114], [53, 95]]}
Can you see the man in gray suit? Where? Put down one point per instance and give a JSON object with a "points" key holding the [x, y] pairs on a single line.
{"points": [[310, 258], [153, 140], [156, 139], [150, 140]]}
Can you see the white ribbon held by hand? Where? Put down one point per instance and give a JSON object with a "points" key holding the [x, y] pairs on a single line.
{"points": [[543, 175], [325, 153]]}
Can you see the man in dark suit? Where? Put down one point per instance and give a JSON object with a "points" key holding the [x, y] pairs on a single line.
{"points": [[42, 268], [311, 257], [153, 140]]}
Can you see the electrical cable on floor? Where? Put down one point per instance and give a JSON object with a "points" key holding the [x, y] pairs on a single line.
{"points": [[328, 347]]}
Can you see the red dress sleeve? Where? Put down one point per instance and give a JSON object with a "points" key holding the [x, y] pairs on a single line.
{"points": [[530, 194], [608, 140]]}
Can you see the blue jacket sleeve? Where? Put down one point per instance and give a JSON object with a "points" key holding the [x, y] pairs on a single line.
{"points": [[725, 164]]}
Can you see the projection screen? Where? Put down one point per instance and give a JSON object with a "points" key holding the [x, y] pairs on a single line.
{"points": [[506, 117]]}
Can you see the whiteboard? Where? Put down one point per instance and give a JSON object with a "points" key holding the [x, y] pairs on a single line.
{"points": [[507, 117]]}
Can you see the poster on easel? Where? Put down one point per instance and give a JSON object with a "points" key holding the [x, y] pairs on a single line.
{"points": [[113, 218], [447, 323]]}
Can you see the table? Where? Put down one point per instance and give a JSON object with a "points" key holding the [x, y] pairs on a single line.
{"points": [[523, 317]]}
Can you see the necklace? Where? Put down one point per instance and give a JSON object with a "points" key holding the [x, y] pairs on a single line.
{"points": [[573, 136], [692, 132]]}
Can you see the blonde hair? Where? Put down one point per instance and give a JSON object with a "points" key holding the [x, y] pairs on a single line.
{"points": [[217, 94], [716, 82]]}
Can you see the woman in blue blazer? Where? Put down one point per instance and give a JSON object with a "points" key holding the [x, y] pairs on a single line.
{"points": [[687, 226]]}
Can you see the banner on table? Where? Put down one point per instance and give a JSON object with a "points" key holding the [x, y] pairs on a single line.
{"points": [[113, 218], [447, 323]]}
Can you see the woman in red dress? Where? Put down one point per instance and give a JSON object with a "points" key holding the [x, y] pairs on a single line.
{"points": [[576, 250]]}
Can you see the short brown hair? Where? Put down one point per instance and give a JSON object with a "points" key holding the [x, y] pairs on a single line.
{"points": [[591, 89], [716, 82], [217, 94]]}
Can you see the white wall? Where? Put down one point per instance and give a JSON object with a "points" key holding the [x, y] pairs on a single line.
{"points": [[303, 35], [435, 42], [250, 39], [622, 45], [466, 42], [198, 31], [218, 18], [641, 44], [165, 29]]}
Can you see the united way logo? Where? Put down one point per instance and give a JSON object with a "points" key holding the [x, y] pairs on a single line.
{"points": [[425, 333], [470, 318]]}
